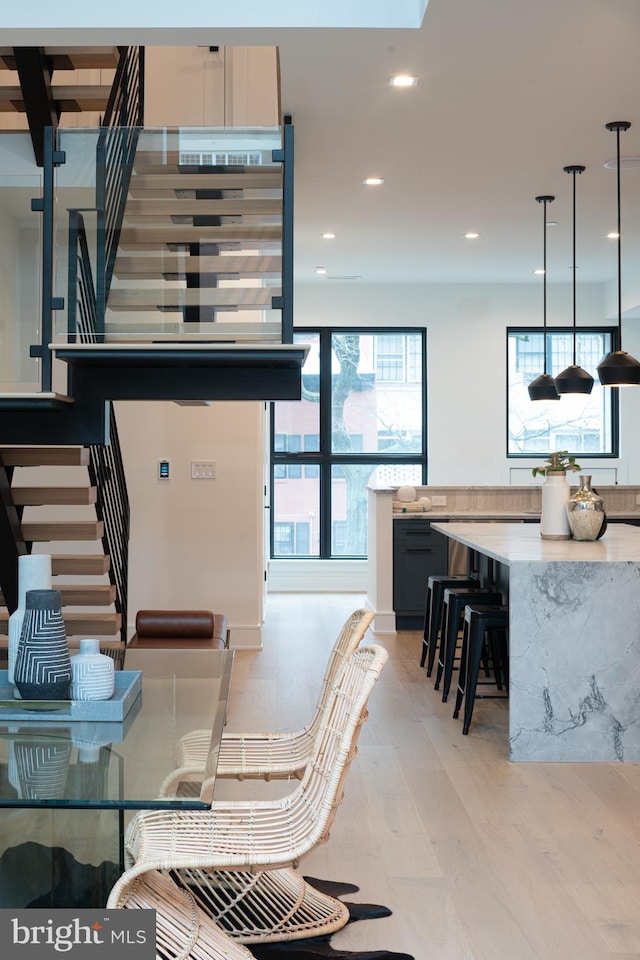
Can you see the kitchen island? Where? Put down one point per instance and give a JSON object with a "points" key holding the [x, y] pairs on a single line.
{"points": [[574, 639]]}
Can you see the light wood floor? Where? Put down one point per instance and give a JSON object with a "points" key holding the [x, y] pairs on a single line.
{"points": [[479, 858]]}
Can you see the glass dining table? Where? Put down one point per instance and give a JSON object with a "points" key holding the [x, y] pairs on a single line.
{"points": [[69, 785]]}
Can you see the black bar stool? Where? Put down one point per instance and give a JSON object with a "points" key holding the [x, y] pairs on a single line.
{"points": [[482, 622], [436, 586], [455, 600]]}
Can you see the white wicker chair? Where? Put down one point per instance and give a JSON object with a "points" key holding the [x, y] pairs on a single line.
{"points": [[183, 931], [267, 755], [248, 843]]}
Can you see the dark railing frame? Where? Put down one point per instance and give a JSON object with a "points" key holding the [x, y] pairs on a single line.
{"points": [[285, 302], [45, 205], [12, 543], [106, 472], [123, 119], [81, 297]]}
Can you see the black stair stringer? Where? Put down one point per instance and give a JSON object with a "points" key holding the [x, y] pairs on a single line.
{"points": [[83, 423]]}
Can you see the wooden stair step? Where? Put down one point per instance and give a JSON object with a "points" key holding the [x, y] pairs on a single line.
{"points": [[177, 267], [92, 624], [182, 207], [39, 496], [44, 456], [89, 624], [69, 58], [159, 237], [94, 595], [250, 298], [165, 152], [73, 98], [151, 177], [37, 531], [88, 565]]}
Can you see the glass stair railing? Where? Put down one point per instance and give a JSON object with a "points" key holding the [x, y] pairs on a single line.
{"points": [[198, 255]]}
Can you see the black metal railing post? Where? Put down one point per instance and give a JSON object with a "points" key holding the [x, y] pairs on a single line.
{"points": [[12, 543], [46, 205], [285, 156], [106, 470], [116, 149]]}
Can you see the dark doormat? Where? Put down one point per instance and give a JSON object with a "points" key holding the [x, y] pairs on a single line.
{"points": [[319, 948]]}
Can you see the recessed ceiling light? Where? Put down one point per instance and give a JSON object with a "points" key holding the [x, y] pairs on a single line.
{"points": [[626, 163], [471, 236], [539, 273], [321, 271], [373, 181], [613, 236], [328, 236], [552, 223], [403, 80]]}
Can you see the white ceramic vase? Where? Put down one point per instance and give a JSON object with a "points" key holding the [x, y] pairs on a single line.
{"points": [[34, 573], [554, 523], [92, 673]]}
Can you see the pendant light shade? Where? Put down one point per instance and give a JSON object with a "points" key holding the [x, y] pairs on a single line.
{"points": [[574, 379], [544, 386], [619, 369]]}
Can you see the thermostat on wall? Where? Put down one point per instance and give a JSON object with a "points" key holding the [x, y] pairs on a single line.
{"points": [[163, 469]]}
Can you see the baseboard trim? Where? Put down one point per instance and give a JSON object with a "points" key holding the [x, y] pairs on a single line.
{"points": [[317, 576]]}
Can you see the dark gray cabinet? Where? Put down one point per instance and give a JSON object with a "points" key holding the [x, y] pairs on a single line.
{"points": [[418, 552]]}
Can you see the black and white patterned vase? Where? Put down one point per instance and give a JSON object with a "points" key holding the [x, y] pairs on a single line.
{"points": [[43, 664]]}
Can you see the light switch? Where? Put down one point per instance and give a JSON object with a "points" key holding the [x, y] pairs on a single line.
{"points": [[203, 469], [163, 469]]}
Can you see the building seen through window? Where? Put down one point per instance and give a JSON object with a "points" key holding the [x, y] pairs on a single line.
{"points": [[360, 421]]}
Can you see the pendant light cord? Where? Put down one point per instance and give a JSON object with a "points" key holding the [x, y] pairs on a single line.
{"points": [[544, 201], [619, 238], [575, 168], [574, 266]]}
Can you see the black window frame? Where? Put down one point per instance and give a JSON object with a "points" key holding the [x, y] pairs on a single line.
{"points": [[615, 403], [324, 459]]}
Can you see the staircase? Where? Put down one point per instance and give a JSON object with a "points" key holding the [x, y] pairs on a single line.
{"points": [[200, 248], [57, 504]]}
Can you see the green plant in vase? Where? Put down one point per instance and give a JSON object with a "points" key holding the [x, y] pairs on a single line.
{"points": [[558, 462]]}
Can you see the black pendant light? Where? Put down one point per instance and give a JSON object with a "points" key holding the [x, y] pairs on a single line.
{"points": [[619, 369], [544, 386], [574, 379]]}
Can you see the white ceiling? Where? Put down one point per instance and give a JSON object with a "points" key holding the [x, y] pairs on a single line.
{"points": [[510, 91]]}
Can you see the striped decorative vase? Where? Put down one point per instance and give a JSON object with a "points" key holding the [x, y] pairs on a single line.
{"points": [[43, 665], [92, 676], [34, 573]]}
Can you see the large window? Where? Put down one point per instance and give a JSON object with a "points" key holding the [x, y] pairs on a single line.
{"points": [[585, 424], [361, 420]]}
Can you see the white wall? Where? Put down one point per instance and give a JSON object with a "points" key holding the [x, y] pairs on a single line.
{"points": [[196, 543], [466, 362], [236, 86]]}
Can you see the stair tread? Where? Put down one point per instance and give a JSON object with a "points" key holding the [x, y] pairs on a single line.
{"points": [[84, 96], [158, 237], [148, 178], [70, 58], [35, 496], [80, 595], [79, 564], [150, 268], [187, 207], [100, 624], [15, 456], [43, 530], [172, 297]]}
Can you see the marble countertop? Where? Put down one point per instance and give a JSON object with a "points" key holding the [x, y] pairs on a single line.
{"points": [[511, 543], [497, 515]]}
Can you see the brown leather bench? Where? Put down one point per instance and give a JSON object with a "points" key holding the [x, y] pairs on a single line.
{"points": [[184, 629]]}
